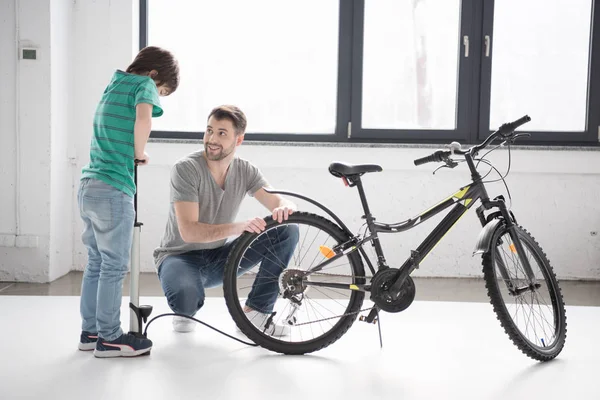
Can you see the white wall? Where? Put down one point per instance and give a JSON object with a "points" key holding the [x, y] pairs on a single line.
{"points": [[36, 217], [555, 192], [25, 234], [61, 191], [8, 137]]}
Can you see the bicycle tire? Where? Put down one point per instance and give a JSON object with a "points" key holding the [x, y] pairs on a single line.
{"points": [[271, 343], [510, 326]]}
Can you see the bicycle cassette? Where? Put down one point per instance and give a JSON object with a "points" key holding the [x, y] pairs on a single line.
{"points": [[293, 282], [381, 296]]}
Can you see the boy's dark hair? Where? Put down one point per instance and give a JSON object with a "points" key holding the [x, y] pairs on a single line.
{"points": [[156, 58], [231, 113]]}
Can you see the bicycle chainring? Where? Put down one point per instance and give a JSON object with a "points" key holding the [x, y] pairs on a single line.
{"points": [[381, 296]]}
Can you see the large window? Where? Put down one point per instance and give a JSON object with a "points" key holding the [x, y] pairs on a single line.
{"points": [[410, 64], [382, 70], [540, 65], [259, 55]]}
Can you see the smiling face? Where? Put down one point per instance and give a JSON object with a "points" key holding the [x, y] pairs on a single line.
{"points": [[220, 139]]}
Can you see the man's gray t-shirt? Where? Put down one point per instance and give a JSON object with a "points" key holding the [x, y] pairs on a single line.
{"points": [[192, 181]]}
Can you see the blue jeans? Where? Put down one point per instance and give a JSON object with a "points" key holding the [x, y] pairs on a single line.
{"points": [[108, 218], [185, 276]]}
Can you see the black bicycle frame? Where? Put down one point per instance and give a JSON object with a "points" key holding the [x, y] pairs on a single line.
{"points": [[462, 201]]}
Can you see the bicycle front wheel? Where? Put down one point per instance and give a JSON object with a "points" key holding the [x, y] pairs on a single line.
{"points": [[533, 317], [266, 272]]}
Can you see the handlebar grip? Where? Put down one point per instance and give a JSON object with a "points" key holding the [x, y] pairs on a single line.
{"points": [[424, 160], [510, 127], [521, 121], [435, 157]]}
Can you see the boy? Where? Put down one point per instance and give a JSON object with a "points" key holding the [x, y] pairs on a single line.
{"points": [[122, 125]]}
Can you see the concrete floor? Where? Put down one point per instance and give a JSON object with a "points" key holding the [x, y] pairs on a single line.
{"points": [[576, 293], [433, 350], [447, 345]]}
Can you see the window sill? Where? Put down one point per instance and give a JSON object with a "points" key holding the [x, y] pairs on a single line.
{"points": [[377, 145]]}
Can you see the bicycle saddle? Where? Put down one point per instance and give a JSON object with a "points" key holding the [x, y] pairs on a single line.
{"points": [[339, 169]]}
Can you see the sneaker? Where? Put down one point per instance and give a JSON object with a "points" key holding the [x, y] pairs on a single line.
{"points": [[259, 320], [87, 341], [126, 345], [182, 324]]}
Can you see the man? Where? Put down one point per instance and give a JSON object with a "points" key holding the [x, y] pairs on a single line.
{"points": [[207, 188]]}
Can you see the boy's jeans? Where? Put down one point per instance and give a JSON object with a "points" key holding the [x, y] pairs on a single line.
{"points": [[185, 276], [108, 217]]}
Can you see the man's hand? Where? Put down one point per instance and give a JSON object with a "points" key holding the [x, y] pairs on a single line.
{"points": [[281, 214], [281, 208], [254, 225], [143, 160]]}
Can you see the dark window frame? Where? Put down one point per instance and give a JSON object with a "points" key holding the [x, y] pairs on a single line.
{"points": [[473, 92]]}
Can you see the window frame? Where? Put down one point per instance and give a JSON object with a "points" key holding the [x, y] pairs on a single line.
{"points": [[473, 92], [591, 135]]}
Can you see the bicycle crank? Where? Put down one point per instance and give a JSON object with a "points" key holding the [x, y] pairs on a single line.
{"points": [[384, 299]]}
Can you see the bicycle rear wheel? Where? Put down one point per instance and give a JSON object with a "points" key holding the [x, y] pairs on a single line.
{"points": [[534, 319], [313, 316]]}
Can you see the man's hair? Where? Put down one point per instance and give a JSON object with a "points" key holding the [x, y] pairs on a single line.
{"points": [[156, 58], [231, 113]]}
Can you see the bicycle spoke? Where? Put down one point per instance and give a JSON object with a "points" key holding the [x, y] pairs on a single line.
{"points": [[326, 295]]}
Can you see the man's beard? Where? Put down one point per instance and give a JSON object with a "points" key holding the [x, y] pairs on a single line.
{"points": [[218, 156]]}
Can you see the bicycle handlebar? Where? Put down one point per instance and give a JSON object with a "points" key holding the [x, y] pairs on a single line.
{"points": [[505, 131]]}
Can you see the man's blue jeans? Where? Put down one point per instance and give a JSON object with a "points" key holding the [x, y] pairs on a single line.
{"points": [[108, 217], [185, 276]]}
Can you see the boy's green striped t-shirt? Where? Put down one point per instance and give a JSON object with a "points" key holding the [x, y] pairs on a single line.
{"points": [[112, 145]]}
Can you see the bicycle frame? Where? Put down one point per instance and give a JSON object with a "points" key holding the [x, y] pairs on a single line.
{"points": [[461, 202]]}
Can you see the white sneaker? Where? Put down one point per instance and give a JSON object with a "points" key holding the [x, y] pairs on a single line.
{"points": [[259, 320], [181, 324]]}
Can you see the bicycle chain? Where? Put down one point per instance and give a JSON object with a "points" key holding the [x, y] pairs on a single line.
{"points": [[336, 316], [342, 315], [344, 276]]}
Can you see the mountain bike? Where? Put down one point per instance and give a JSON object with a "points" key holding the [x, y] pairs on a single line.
{"points": [[321, 290]]}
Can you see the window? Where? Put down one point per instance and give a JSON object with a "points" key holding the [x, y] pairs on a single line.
{"points": [[540, 63], [281, 74], [410, 64], [385, 70]]}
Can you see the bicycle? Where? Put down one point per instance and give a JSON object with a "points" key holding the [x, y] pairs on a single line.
{"points": [[516, 271]]}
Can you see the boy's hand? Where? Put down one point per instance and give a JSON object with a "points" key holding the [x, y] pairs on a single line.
{"points": [[143, 160]]}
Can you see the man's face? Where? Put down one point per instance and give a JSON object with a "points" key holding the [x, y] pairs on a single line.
{"points": [[220, 139]]}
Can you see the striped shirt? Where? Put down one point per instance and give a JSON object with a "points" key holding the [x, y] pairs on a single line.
{"points": [[112, 145]]}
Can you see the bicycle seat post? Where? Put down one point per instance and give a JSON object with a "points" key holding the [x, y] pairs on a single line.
{"points": [[370, 222], [363, 200]]}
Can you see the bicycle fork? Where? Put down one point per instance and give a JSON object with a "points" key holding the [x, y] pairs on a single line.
{"points": [[516, 246]]}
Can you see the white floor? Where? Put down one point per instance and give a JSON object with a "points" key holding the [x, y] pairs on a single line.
{"points": [[432, 350]]}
